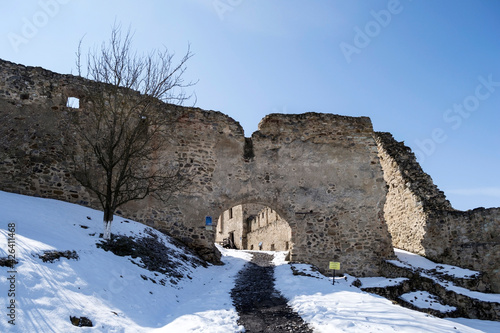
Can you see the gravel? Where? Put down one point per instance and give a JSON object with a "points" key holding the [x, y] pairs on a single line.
{"points": [[260, 306]]}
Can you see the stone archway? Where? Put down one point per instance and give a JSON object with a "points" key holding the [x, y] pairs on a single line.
{"points": [[320, 171]]}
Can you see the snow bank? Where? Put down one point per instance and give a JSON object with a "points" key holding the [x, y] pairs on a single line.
{"points": [[426, 300], [414, 261], [344, 308], [117, 295]]}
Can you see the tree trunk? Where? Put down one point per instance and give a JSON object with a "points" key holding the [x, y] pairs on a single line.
{"points": [[107, 230], [108, 218]]}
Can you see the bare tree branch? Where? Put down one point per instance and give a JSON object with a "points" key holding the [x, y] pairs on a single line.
{"points": [[119, 129]]}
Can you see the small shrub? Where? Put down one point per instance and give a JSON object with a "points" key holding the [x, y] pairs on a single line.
{"points": [[81, 321], [6, 262], [51, 256]]}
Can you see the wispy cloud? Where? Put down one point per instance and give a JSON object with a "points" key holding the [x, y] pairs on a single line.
{"points": [[484, 191]]}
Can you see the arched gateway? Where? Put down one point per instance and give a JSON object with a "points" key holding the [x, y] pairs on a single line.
{"points": [[320, 172]]}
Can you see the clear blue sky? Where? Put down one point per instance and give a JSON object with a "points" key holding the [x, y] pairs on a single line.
{"points": [[426, 71]]}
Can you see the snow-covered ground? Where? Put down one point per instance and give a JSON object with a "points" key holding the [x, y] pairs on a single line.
{"points": [[426, 300], [428, 267], [106, 288], [110, 291], [344, 308]]}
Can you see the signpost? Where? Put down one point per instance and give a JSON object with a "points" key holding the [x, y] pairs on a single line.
{"points": [[208, 222], [335, 266]]}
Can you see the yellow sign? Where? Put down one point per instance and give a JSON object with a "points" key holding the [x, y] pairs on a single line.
{"points": [[334, 265]]}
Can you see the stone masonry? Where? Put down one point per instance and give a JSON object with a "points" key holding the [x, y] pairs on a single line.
{"points": [[422, 221], [332, 178], [268, 231], [254, 227], [320, 172], [233, 224]]}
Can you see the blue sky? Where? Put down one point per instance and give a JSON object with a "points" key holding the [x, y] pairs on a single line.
{"points": [[426, 71]]}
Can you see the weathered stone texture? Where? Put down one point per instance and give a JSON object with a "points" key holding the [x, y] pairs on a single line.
{"points": [[253, 227], [320, 172], [234, 221], [407, 186], [32, 104], [268, 231], [422, 221], [333, 179], [466, 305]]}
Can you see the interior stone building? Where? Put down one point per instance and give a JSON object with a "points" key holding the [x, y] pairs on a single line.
{"points": [[253, 227], [232, 225]]}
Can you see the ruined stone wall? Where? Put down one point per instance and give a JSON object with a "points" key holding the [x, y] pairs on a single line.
{"points": [[231, 221], [235, 220], [326, 166], [268, 232], [469, 239], [32, 161], [198, 142], [320, 172], [252, 225], [262, 218], [409, 191], [422, 221]]}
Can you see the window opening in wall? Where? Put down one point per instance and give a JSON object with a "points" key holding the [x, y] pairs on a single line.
{"points": [[73, 102], [253, 227]]}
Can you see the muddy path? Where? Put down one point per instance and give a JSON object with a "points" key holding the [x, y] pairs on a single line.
{"points": [[260, 306]]}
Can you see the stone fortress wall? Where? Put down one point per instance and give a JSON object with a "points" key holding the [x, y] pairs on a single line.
{"points": [[33, 162], [230, 225], [320, 172], [31, 157], [332, 178], [422, 221]]}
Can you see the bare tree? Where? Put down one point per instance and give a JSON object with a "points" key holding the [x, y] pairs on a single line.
{"points": [[120, 129]]}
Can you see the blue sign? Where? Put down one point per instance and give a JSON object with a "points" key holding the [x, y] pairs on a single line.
{"points": [[208, 220]]}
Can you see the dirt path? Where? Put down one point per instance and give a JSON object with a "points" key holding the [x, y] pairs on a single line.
{"points": [[261, 308]]}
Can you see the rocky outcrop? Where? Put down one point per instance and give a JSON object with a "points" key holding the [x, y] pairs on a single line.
{"points": [[422, 221], [461, 304]]}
